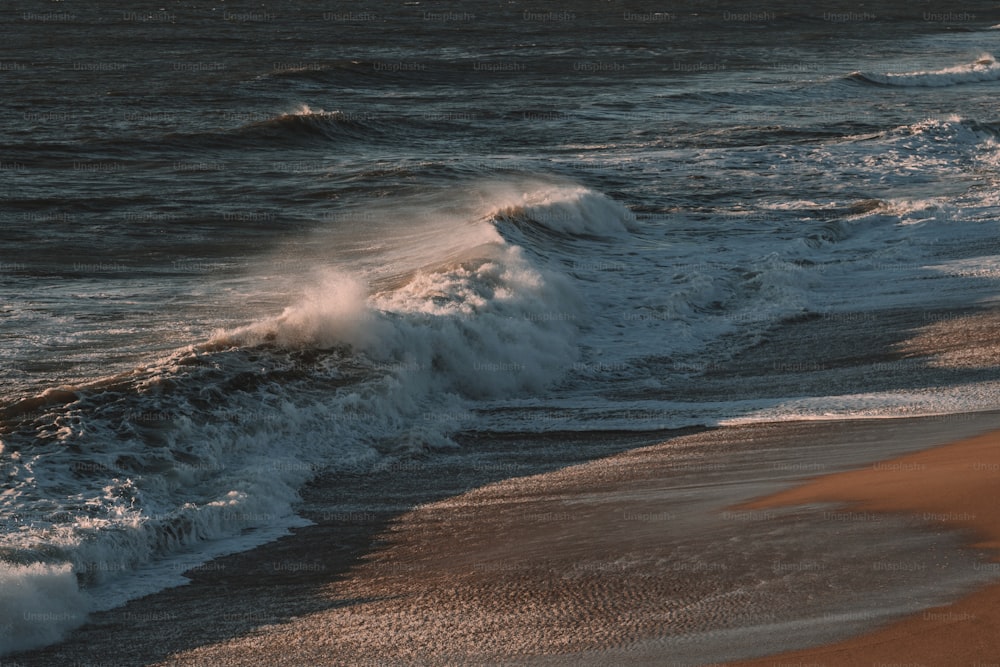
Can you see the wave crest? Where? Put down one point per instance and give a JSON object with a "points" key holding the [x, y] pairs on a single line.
{"points": [[305, 122], [985, 68], [569, 211]]}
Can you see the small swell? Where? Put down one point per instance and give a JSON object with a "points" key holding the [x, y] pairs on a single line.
{"points": [[307, 124], [303, 126], [985, 68]]}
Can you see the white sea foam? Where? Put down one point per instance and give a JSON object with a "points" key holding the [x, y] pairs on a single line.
{"points": [[39, 604]]}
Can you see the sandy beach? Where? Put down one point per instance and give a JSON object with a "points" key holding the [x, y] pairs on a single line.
{"points": [[656, 555]]}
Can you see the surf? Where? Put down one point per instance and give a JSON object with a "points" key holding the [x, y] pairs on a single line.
{"points": [[204, 449]]}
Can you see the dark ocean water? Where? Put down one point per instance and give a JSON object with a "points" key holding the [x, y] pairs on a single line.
{"points": [[240, 244]]}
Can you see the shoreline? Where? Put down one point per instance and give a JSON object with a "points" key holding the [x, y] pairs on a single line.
{"points": [[643, 555], [951, 487]]}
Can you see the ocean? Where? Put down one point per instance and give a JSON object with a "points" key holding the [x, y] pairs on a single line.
{"points": [[246, 244]]}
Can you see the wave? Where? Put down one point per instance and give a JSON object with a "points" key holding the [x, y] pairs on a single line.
{"points": [[301, 126], [242, 129], [567, 211], [305, 123], [215, 440], [985, 68]]}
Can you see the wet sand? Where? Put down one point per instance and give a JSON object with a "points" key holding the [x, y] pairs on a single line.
{"points": [[648, 556]]}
